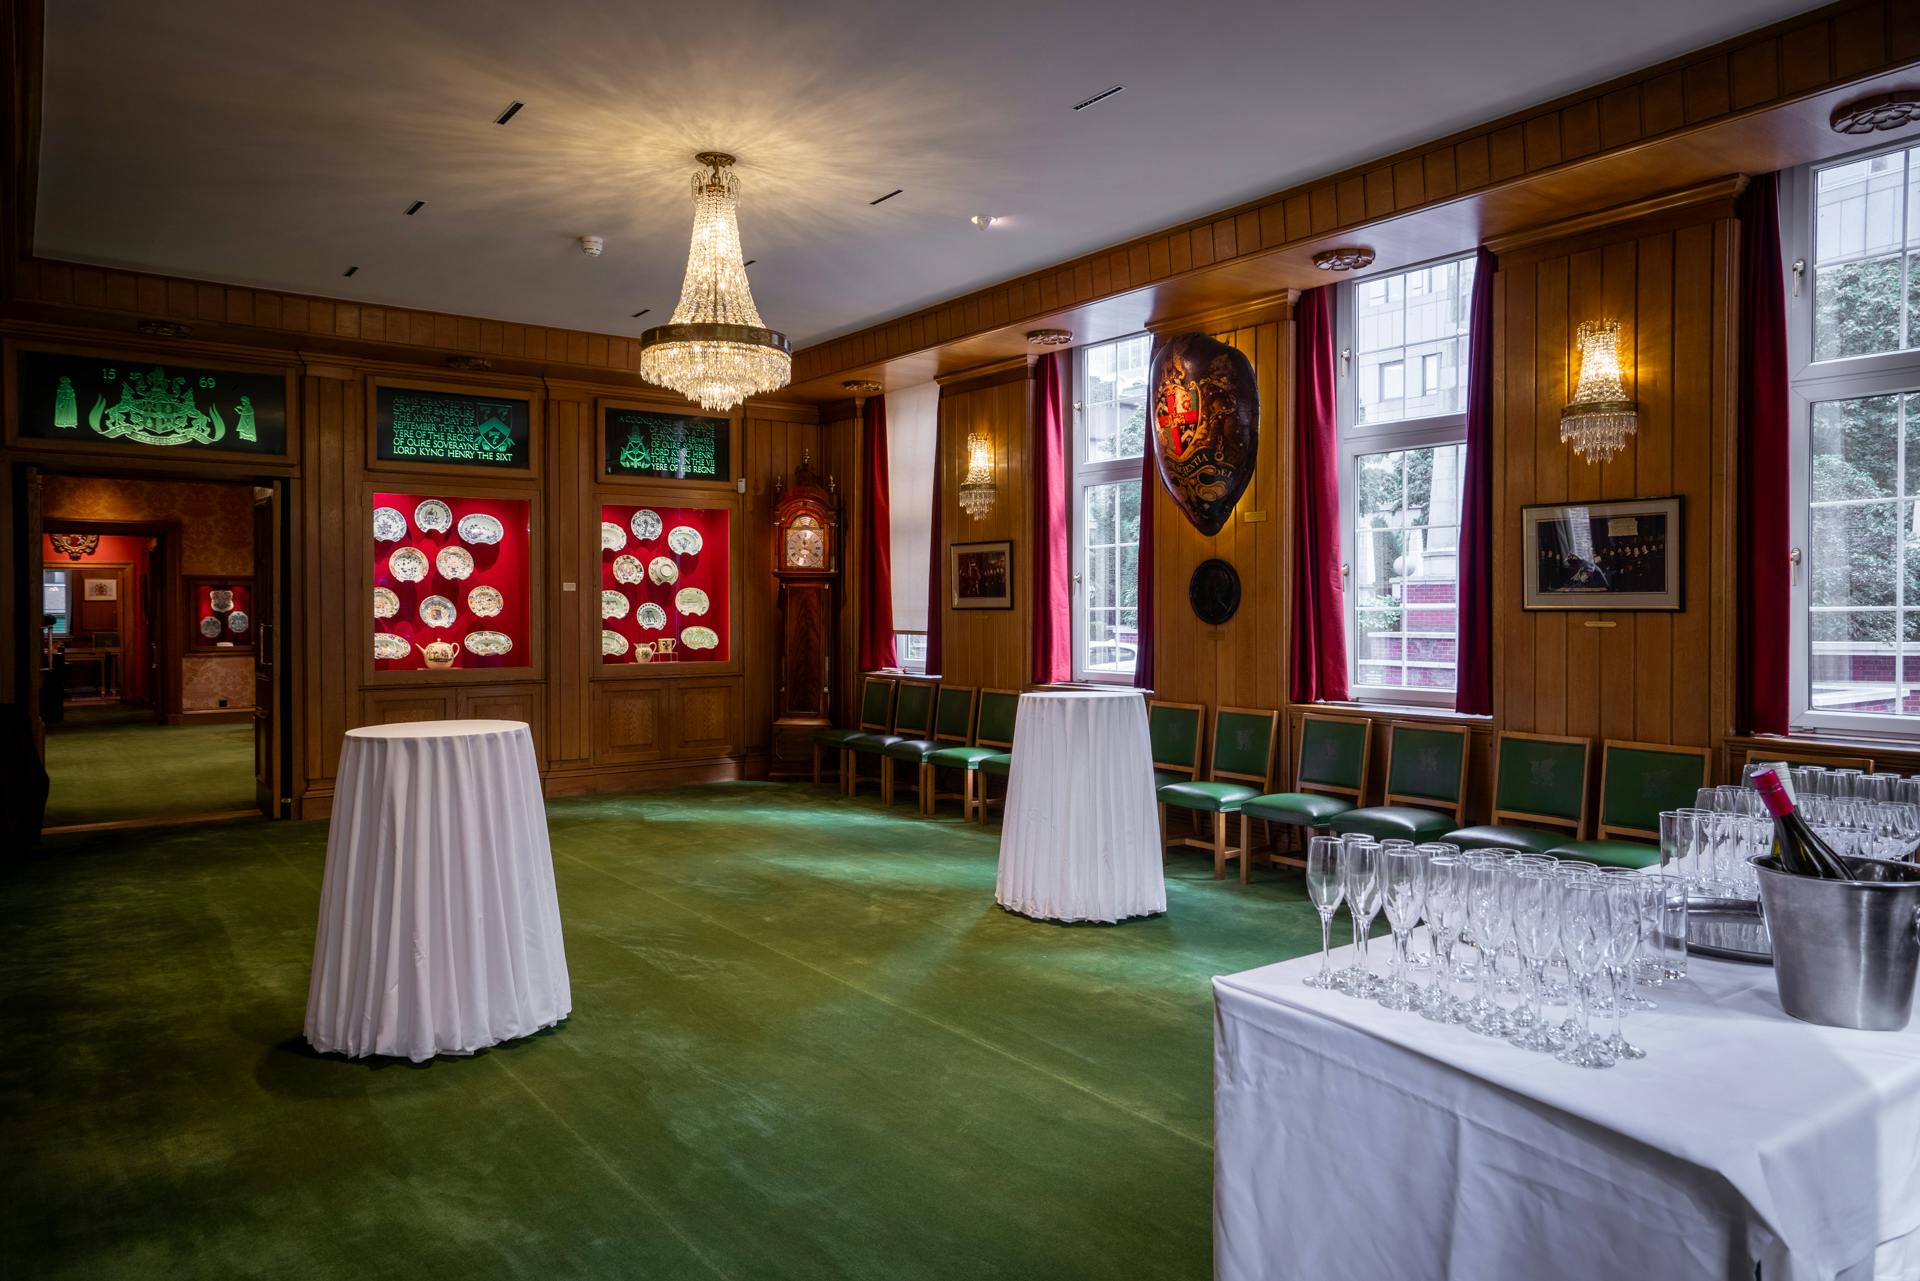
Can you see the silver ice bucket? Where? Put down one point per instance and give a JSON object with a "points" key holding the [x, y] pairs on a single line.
{"points": [[1845, 952]]}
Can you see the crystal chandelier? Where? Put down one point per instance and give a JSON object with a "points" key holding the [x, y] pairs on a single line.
{"points": [[1600, 417], [716, 350], [977, 490]]}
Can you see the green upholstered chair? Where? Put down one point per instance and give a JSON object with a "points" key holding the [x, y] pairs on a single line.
{"points": [[912, 718], [993, 735], [952, 727], [1537, 778], [876, 714], [1174, 731], [1330, 779], [1242, 769], [1426, 786], [1637, 781]]}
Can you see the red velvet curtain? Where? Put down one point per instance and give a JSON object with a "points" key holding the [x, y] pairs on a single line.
{"points": [[1319, 660], [937, 556], [1143, 590], [1473, 694], [1052, 561], [876, 548], [1764, 583]]}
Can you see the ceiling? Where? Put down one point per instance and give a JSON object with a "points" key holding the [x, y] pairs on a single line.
{"points": [[277, 143]]}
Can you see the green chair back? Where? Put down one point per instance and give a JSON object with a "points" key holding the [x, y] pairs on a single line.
{"points": [[1243, 744], [1333, 754], [913, 709], [1541, 777], [1426, 766], [998, 710], [1174, 731], [1638, 780], [954, 722], [876, 703]]}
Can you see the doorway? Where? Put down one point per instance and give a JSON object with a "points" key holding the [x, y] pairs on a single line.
{"points": [[150, 647]]}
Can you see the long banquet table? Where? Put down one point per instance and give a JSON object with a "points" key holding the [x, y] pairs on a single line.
{"points": [[1353, 1141]]}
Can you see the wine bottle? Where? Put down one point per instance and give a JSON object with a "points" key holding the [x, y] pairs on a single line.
{"points": [[1797, 848]]}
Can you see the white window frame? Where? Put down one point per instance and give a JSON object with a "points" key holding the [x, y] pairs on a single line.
{"points": [[912, 666], [1084, 476], [1812, 382], [1358, 438]]}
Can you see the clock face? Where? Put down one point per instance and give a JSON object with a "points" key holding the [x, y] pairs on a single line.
{"points": [[806, 546]]}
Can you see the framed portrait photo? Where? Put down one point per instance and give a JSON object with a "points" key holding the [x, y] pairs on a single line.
{"points": [[1626, 555], [982, 575]]}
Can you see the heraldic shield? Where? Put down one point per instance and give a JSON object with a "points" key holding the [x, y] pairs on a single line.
{"points": [[1206, 426]]}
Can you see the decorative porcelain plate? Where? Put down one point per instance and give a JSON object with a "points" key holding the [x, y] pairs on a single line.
{"points": [[488, 644], [221, 599], [433, 516], [409, 565], [646, 524], [650, 617], [663, 571], [686, 540], [612, 537], [701, 638], [612, 642], [485, 602], [239, 622], [690, 600], [454, 562], [211, 626], [389, 648], [389, 526], [386, 603], [438, 611], [613, 604], [628, 569], [478, 529]]}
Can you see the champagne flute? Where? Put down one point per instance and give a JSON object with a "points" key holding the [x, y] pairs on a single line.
{"points": [[1360, 869], [1403, 883], [1622, 943], [1583, 937], [1327, 891], [1446, 893], [1536, 919], [1490, 913]]}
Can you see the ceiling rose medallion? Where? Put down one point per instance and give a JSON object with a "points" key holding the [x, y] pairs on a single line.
{"points": [[1878, 113], [1050, 337], [1345, 258], [716, 350]]}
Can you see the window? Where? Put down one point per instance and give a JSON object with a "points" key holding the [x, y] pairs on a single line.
{"points": [[53, 600], [910, 652], [1853, 242], [1403, 428], [1109, 441]]}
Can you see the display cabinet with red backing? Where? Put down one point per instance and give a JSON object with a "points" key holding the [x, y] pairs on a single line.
{"points": [[665, 584], [451, 582], [219, 614]]}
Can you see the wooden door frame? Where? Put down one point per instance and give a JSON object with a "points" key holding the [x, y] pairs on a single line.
{"points": [[165, 623]]}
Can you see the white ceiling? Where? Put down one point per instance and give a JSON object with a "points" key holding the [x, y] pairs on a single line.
{"points": [[277, 142]]}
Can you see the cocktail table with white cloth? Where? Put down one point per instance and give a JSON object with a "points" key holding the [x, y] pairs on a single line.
{"points": [[439, 924], [1353, 1141], [1081, 836]]}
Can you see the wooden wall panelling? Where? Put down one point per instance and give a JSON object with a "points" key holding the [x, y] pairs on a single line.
{"points": [[328, 650], [773, 444], [514, 703], [572, 556], [405, 706], [629, 722], [989, 647], [703, 718], [844, 440]]}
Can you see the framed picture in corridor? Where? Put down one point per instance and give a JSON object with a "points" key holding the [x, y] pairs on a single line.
{"points": [[982, 575], [1625, 555]]}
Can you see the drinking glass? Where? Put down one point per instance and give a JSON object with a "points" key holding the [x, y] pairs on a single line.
{"points": [[1584, 940], [1327, 891], [1360, 870], [1881, 786], [1432, 849], [1490, 913], [1624, 919], [1536, 918], [1403, 883], [1446, 899]]}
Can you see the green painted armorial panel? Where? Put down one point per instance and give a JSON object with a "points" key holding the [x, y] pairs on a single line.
{"points": [[105, 401]]}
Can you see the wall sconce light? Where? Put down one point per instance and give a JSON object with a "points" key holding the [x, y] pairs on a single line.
{"points": [[1600, 417], [977, 490]]}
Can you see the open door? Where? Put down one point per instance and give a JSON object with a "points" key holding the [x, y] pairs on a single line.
{"points": [[270, 694], [39, 653], [23, 733]]}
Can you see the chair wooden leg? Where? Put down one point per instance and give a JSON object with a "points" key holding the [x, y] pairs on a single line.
{"points": [[1219, 847], [848, 777], [967, 789], [926, 790], [887, 779], [816, 764], [1246, 850]]}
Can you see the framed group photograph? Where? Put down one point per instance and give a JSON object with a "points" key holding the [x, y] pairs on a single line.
{"points": [[983, 575], [1625, 555]]}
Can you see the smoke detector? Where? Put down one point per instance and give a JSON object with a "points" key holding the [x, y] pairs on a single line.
{"points": [[592, 245]]}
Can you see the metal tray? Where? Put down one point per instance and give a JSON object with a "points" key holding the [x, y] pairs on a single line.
{"points": [[1728, 929]]}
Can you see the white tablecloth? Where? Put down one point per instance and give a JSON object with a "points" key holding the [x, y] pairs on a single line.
{"points": [[439, 925], [1352, 1141], [1081, 839]]}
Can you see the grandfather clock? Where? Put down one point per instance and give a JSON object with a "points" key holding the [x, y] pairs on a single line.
{"points": [[806, 555]]}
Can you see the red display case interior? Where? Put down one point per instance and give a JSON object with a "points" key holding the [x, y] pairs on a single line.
{"points": [[705, 572], [501, 566], [216, 628]]}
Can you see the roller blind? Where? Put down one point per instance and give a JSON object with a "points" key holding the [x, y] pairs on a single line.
{"points": [[913, 423]]}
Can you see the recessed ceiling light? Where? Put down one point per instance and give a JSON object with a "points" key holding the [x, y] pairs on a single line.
{"points": [[983, 221], [643, 311], [416, 207], [349, 271], [508, 114], [889, 196], [1102, 96]]}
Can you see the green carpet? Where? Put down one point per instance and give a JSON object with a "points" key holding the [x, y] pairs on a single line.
{"points": [[805, 1044], [106, 772]]}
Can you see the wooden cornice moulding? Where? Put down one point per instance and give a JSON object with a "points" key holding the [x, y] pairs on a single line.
{"points": [[1277, 306], [778, 411], [146, 346], [322, 367], [1724, 190], [991, 374]]}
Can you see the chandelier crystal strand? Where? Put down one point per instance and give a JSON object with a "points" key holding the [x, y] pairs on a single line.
{"points": [[1601, 417], [716, 351]]}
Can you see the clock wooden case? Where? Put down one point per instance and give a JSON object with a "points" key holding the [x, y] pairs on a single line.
{"points": [[806, 559]]}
